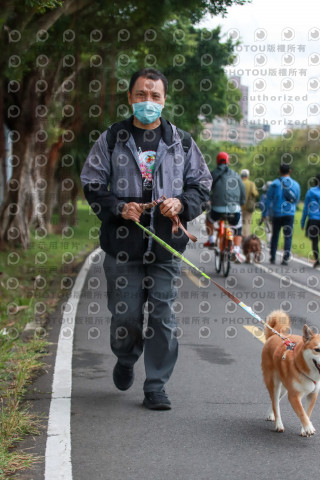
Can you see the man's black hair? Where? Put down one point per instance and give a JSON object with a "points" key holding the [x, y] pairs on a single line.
{"points": [[284, 168], [151, 73]]}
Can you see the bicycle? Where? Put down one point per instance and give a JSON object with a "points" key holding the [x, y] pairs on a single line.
{"points": [[223, 248]]}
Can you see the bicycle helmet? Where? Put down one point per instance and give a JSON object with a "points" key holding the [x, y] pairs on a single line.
{"points": [[222, 158]]}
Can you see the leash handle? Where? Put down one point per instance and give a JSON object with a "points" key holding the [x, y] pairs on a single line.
{"points": [[176, 222]]}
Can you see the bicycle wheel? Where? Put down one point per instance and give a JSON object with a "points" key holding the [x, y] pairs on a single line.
{"points": [[217, 260], [225, 260]]}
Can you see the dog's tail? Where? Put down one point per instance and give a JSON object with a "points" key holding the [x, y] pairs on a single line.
{"points": [[279, 321]]}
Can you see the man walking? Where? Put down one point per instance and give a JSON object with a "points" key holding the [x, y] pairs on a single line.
{"points": [[249, 205], [135, 162], [283, 196]]}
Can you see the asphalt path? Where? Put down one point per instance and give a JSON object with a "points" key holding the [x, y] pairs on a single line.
{"points": [[216, 428]]}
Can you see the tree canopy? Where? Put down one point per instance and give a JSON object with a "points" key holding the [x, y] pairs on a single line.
{"points": [[298, 148], [66, 66]]}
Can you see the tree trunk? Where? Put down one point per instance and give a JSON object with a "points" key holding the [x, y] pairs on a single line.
{"points": [[113, 86], [63, 200], [48, 173], [3, 154], [18, 209], [74, 197]]}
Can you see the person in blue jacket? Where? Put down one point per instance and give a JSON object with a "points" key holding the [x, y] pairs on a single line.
{"points": [[311, 210], [283, 195]]}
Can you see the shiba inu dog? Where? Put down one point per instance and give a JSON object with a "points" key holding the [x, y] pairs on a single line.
{"points": [[294, 371]]}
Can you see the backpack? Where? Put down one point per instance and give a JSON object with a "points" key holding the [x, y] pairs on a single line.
{"points": [[288, 193], [225, 188], [116, 133]]}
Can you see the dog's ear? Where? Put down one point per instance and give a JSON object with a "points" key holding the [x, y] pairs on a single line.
{"points": [[307, 333]]}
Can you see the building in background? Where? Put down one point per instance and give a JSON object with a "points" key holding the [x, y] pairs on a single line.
{"points": [[243, 133]]}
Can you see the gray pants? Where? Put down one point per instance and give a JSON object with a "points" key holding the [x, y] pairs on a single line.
{"points": [[137, 290]]}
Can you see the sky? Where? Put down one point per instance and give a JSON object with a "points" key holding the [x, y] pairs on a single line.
{"points": [[278, 59]]}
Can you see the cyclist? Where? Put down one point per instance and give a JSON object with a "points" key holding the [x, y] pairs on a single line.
{"points": [[226, 197]]}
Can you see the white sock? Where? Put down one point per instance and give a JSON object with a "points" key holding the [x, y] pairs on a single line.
{"points": [[211, 239], [236, 249]]}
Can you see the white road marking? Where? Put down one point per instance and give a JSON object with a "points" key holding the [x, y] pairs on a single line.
{"points": [[58, 464], [284, 277], [253, 329], [196, 280]]}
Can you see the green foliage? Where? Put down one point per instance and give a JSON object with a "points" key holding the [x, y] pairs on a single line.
{"points": [[42, 5], [60, 44], [198, 82], [298, 148], [51, 248], [125, 45], [210, 149]]}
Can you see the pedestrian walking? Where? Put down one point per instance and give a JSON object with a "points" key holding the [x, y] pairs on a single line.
{"points": [[226, 197], [283, 196], [267, 220], [135, 162], [249, 206], [311, 210]]}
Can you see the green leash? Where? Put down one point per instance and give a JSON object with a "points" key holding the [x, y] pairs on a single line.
{"points": [[172, 250], [290, 345]]}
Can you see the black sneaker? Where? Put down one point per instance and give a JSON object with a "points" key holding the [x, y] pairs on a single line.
{"points": [[284, 262], [156, 401], [316, 264], [123, 376], [272, 261]]}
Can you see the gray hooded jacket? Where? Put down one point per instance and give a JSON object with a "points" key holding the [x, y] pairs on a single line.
{"points": [[112, 177], [228, 191]]}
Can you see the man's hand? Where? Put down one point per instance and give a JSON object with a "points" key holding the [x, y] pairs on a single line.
{"points": [[132, 211], [170, 207]]}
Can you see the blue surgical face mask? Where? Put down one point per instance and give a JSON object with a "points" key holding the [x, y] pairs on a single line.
{"points": [[147, 112]]}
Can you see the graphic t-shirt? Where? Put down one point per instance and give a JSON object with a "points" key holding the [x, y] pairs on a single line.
{"points": [[147, 142]]}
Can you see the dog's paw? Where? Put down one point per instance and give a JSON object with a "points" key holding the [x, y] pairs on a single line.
{"points": [[308, 430], [279, 427], [270, 417]]}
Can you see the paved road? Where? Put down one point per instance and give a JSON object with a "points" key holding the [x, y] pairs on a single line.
{"points": [[217, 428]]}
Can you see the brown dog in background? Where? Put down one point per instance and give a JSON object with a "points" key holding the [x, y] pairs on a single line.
{"points": [[294, 371], [251, 245]]}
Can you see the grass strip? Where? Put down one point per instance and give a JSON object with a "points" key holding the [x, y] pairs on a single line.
{"points": [[32, 282], [301, 245]]}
